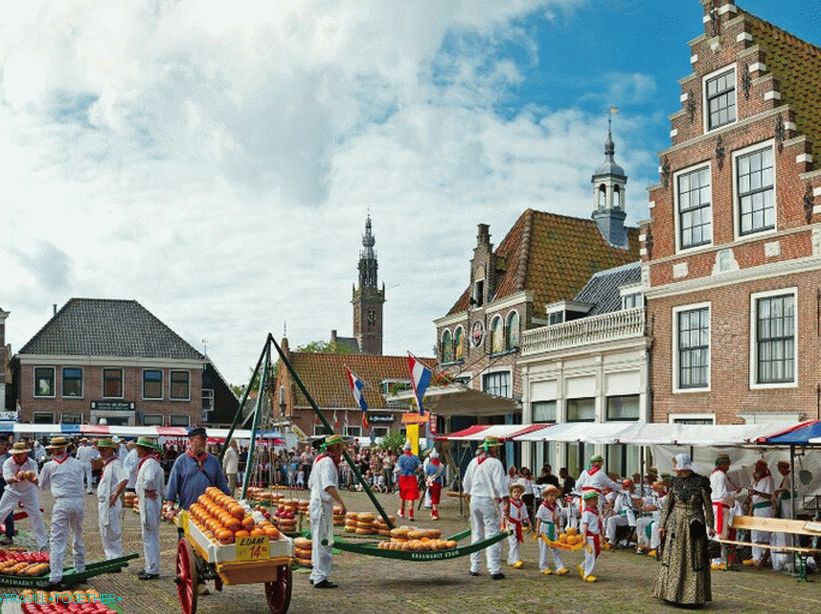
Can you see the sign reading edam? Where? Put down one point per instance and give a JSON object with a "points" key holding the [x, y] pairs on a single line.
{"points": [[253, 548]]}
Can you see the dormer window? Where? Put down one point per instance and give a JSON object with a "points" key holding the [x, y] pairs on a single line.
{"points": [[557, 317], [478, 292], [631, 301], [565, 311], [720, 99]]}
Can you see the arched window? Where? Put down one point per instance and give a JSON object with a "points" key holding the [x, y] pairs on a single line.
{"points": [[616, 197], [446, 347], [602, 197], [512, 330], [459, 342], [497, 339]]}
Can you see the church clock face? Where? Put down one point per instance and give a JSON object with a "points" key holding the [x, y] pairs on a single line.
{"points": [[477, 334]]}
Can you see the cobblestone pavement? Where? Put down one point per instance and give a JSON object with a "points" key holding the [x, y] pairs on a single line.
{"points": [[381, 585]]}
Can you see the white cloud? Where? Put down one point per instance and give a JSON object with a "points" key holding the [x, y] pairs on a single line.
{"points": [[215, 160]]}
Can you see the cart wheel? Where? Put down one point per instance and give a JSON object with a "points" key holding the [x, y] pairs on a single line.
{"points": [[278, 593], [186, 578]]}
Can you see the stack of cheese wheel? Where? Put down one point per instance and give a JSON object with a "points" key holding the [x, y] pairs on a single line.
{"points": [[571, 540], [339, 517], [302, 506], [350, 522], [364, 523], [382, 528], [222, 519], [254, 493], [416, 540], [129, 498], [302, 551]]}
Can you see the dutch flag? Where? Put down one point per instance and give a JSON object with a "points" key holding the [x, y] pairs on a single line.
{"points": [[420, 379], [358, 391]]}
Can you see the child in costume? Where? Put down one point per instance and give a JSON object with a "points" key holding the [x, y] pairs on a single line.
{"points": [[547, 525], [516, 517], [591, 530]]}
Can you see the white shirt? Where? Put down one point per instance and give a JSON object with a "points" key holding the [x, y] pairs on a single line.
{"points": [[122, 451], [766, 485], [150, 477], [485, 479], [131, 464], [598, 482], [545, 514], [10, 469], [64, 478], [39, 452], [623, 503], [87, 453], [113, 474], [723, 491], [518, 512], [323, 475], [230, 462], [592, 521]]}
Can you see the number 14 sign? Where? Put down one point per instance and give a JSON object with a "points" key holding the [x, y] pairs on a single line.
{"points": [[253, 548]]}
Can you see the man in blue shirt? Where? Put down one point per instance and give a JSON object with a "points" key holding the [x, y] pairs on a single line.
{"points": [[408, 466], [194, 471]]}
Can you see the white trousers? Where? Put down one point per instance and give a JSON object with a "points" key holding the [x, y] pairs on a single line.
{"points": [[9, 503], [761, 537], [66, 515], [89, 478], [570, 515], [484, 523], [321, 528], [589, 557], [150, 510], [610, 526], [513, 549], [111, 528], [544, 552], [781, 560]]}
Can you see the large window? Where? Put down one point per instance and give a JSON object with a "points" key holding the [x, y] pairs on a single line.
{"points": [[207, 399], [756, 196], [180, 385], [381, 431], [497, 383], [112, 383], [497, 339], [152, 384], [447, 346], [513, 330], [720, 92], [544, 411], [694, 210], [623, 408], [42, 417], [581, 410], [459, 342], [775, 339], [693, 349], [353, 431], [632, 300], [43, 381], [72, 382], [180, 420], [152, 420], [71, 418]]}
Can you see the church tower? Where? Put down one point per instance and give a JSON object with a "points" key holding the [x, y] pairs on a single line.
{"points": [[609, 195], [368, 298]]}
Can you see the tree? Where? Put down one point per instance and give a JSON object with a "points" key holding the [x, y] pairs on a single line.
{"points": [[393, 441], [324, 347]]}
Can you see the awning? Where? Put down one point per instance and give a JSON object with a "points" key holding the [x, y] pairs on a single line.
{"points": [[805, 433], [99, 430], [570, 432], [457, 400], [478, 432]]}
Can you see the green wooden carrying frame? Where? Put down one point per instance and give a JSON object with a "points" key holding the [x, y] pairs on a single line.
{"points": [[372, 549], [70, 577]]}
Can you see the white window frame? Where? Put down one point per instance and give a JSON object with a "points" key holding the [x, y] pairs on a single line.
{"points": [[705, 110], [171, 385], [42, 413], [676, 209], [208, 393], [509, 371], [34, 382], [676, 310], [162, 386], [506, 328], [71, 413], [353, 430], [737, 200], [754, 385], [82, 383], [102, 382], [673, 418], [186, 416], [162, 419], [380, 431]]}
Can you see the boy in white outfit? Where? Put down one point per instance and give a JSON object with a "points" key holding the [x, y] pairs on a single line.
{"points": [[647, 527], [23, 491], [516, 518], [547, 525], [590, 529]]}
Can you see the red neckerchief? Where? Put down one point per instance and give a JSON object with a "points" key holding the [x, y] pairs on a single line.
{"points": [[518, 503], [594, 536], [481, 459], [19, 466], [517, 522], [145, 458], [200, 459], [60, 458], [593, 471], [435, 461], [323, 455], [552, 508]]}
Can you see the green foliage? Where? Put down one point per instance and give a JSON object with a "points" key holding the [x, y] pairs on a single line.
{"points": [[324, 347], [393, 441]]}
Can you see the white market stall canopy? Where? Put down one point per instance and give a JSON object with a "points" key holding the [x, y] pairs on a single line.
{"points": [[478, 432], [100, 430]]}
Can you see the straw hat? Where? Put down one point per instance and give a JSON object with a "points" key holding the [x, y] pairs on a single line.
{"points": [[597, 459], [590, 494], [57, 443], [147, 442], [106, 443], [19, 447], [334, 439], [517, 486], [722, 459], [490, 442], [550, 489]]}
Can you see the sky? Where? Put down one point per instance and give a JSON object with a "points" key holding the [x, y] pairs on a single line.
{"points": [[215, 161]]}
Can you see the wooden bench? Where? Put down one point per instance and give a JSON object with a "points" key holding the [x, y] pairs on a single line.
{"points": [[779, 525]]}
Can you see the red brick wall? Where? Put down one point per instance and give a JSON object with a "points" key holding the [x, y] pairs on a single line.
{"points": [[92, 391]]}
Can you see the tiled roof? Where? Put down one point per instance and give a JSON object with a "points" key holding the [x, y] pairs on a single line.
{"points": [[105, 327], [553, 256], [325, 378], [796, 64], [602, 290]]}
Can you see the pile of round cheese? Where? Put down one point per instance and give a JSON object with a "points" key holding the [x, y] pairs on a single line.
{"points": [[15, 563], [42, 602], [129, 499], [360, 523], [569, 540], [223, 519], [409, 539], [285, 516], [339, 517], [303, 549]]}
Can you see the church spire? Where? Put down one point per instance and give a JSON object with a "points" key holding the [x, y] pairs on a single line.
{"points": [[368, 298], [367, 258], [609, 181]]}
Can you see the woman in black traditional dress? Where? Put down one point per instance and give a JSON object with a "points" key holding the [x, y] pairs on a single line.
{"points": [[684, 526]]}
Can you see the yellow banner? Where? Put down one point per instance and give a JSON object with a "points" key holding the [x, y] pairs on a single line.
{"points": [[253, 548], [413, 436]]}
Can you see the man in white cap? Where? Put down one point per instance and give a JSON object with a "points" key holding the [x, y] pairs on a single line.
{"points": [[113, 480], [63, 474], [324, 485], [624, 513], [486, 484], [85, 454], [434, 479], [21, 476]]}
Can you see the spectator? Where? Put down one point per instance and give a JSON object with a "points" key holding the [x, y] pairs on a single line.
{"points": [[546, 477], [568, 481]]}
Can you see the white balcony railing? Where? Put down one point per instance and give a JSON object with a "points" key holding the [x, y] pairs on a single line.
{"points": [[595, 329]]}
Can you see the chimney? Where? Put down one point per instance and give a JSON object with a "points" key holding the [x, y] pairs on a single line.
{"points": [[333, 336], [483, 238], [54, 309]]}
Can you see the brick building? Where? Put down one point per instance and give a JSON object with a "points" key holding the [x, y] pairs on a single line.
{"points": [[732, 253], [111, 359], [530, 280]]}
